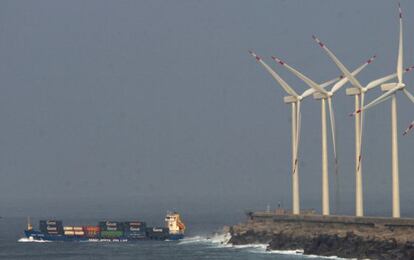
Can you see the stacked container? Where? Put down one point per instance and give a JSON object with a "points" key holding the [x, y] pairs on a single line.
{"points": [[91, 231], [157, 233], [135, 229], [111, 229], [74, 231], [51, 227]]}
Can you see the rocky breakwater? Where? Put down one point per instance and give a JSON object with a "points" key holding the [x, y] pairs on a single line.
{"points": [[342, 236]]}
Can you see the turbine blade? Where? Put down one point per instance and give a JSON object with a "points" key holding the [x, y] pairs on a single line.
{"points": [[379, 81], [333, 131], [343, 81], [340, 81], [408, 94], [330, 82], [379, 99], [307, 80], [310, 91], [276, 76], [408, 69], [409, 128], [400, 49], [344, 70]]}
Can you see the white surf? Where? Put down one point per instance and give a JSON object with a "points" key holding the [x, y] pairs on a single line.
{"points": [[222, 240], [28, 240]]}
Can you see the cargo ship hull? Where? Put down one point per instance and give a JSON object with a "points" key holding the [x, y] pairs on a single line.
{"points": [[39, 236], [107, 231]]}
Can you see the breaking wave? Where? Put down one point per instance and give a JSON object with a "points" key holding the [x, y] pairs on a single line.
{"points": [[216, 239], [222, 241]]}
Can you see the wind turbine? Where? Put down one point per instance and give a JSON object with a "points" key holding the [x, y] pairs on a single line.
{"points": [[390, 90], [359, 92], [322, 94], [295, 100]]}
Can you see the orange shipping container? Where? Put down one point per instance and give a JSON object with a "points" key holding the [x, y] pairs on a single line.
{"points": [[91, 229]]}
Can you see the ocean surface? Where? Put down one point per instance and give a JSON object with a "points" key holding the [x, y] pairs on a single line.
{"points": [[200, 243]]}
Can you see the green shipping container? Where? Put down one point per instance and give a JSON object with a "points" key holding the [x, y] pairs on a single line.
{"points": [[111, 234]]}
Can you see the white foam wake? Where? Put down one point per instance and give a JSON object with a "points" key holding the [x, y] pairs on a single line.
{"points": [[216, 240], [222, 241], [28, 240]]}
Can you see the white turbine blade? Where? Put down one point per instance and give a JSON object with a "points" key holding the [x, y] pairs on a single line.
{"points": [[379, 81], [344, 80], [298, 122], [408, 94], [409, 128], [333, 131], [310, 91], [340, 81], [400, 50], [276, 76], [378, 100], [307, 80], [344, 70], [330, 82]]}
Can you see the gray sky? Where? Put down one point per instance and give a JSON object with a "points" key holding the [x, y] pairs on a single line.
{"points": [[130, 107]]}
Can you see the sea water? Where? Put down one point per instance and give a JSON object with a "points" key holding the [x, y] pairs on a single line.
{"points": [[200, 243]]}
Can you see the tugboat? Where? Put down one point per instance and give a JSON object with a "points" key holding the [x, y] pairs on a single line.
{"points": [[107, 231]]}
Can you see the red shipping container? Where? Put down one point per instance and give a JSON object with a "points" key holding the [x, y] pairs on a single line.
{"points": [[91, 229]]}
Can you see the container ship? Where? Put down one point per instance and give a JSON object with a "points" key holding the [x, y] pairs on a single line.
{"points": [[116, 231]]}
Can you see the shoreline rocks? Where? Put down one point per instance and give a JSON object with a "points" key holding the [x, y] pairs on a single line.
{"points": [[350, 246], [327, 238]]}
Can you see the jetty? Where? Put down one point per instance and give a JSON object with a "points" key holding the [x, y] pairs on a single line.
{"points": [[343, 236]]}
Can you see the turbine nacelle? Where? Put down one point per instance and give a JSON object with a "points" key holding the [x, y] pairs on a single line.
{"points": [[401, 86], [389, 86], [291, 99], [320, 95]]}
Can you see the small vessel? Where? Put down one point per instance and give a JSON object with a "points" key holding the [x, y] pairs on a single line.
{"points": [[110, 231]]}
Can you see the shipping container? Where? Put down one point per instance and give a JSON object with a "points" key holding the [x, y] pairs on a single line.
{"points": [[110, 226], [91, 228], [111, 234], [91, 231], [50, 223], [160, 233], [51, 227], [135, 229]]}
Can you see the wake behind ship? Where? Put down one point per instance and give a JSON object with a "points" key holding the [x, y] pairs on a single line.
{"points": [[119, 231]]}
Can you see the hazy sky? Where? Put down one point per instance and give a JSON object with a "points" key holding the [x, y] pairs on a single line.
{"points": [[129, 107]]}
